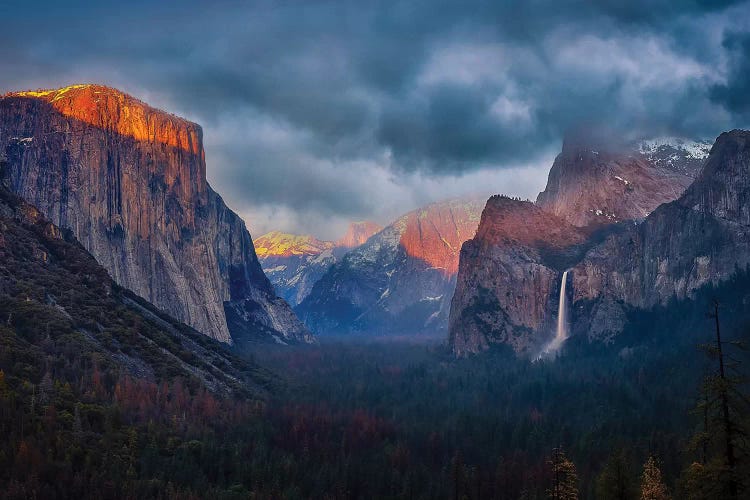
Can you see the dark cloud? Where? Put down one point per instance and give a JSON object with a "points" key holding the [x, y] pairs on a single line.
{"points": [[309, 106], [734, 94]]}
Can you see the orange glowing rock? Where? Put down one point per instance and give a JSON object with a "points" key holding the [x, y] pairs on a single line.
{"points": [[436, 232], [113, 110], [278, 244]]}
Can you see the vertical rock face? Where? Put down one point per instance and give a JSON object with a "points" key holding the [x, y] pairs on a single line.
{"points": [[400, 281], [62, 284], [130, 182], [509, 277], [598, 185], [590, 219]]}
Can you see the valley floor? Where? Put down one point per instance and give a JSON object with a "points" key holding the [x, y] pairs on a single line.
{"points": [[404, 418]]}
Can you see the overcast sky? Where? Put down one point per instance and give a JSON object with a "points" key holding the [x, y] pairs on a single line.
{"points": [[318, 113]]}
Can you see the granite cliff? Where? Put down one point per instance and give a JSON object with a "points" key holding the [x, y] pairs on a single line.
{"points": [[130, 182], [702, 237], [508, 275], [59, 307]]}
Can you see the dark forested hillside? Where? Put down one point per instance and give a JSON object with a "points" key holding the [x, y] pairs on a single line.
{"points": [[91, 375]]}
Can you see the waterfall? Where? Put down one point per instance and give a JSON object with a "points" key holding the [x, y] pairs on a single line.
{"points": [[562, 322], [562, 314]]}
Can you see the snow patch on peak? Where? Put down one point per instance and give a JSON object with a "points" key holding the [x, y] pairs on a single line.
{"points": [[692, 149], [684, 156]]}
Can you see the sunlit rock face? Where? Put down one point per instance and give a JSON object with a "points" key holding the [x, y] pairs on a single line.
{"points": [[631, 227], [130, 182], [294, 263], [278, 244], [401, 280]]}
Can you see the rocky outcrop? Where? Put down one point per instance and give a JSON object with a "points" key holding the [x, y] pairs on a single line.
{"points": [[596, 184], [597, 218], [130, 182], [401, 280]]}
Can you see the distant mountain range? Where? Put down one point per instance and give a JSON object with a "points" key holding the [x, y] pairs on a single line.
{"points": [[294, 263], [401, 280]]}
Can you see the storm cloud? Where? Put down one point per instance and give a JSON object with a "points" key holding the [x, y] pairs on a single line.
{"points": [[317, 113]]}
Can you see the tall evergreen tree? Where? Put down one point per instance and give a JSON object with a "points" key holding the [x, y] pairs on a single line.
{"points": [[652, 484], [564, 477], [724, 407]]}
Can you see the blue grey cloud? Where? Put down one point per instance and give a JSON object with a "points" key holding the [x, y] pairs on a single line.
{"points": [[331, 94]]}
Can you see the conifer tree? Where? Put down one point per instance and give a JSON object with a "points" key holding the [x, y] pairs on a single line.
{"points": [[652, 484], [564, 477], [723, 405]]}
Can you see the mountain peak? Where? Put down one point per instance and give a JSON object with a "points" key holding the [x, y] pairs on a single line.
{"points": [[724, 183], [435, 233], [278, 244], [589, 185], [111, 109]]}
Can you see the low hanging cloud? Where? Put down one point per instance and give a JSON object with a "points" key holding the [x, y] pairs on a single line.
{"points": [[317, 113]]}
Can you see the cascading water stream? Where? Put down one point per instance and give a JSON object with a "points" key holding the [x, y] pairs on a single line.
{"points": [[562, 314], [561, 334]]}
